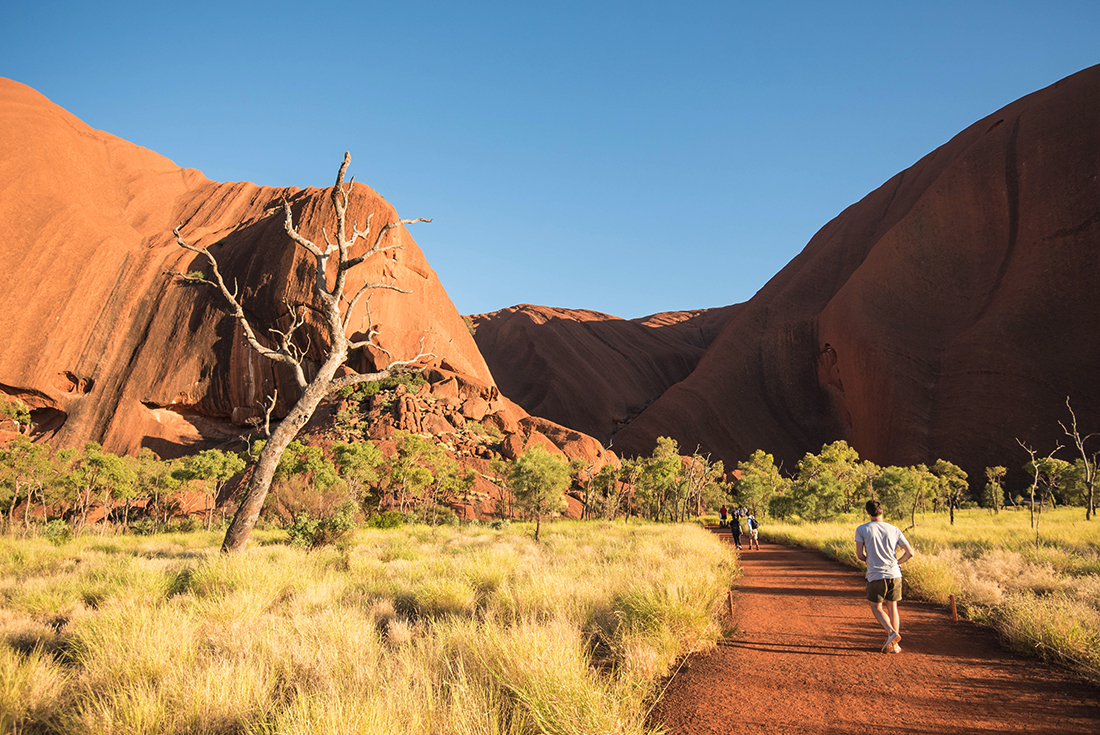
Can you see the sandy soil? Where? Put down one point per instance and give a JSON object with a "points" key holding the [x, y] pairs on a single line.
{"points": [[805, 658]]}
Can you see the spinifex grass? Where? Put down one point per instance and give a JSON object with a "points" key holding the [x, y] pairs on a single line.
{"points": [[1043, 599], [405, 631]]}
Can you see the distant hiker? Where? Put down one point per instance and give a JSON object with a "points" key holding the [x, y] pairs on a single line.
{"points": [[735, 529], [722, 516], [754, 535], [877, 543]]}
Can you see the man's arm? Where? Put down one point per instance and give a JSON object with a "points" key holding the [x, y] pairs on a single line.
{"points": [[907, 553], [861, 554]]}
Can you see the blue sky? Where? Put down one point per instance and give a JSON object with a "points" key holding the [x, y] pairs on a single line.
{"points": [[627, 157]]}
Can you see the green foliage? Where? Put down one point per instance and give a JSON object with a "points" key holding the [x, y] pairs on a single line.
{"points": [[358, 464], [819, 498], [389, 519], [539, 479], [308, 532], [993, 497], [760, 481], [782, 506], [14, 409], [363, 390], [655, 483], [951, 487], [904, 490], [58, 532]]}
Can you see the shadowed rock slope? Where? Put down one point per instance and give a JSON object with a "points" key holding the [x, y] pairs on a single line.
{"points": [[592, 371], [948, 313], [104, 346]]}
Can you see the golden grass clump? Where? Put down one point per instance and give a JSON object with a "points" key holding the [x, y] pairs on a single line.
{"points": [[410, 630]]}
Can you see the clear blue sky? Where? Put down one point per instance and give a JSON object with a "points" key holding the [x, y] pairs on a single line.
{"points": [[627, 157]]}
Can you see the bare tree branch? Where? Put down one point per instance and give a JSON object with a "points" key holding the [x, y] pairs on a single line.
{"points": [[330, 301]]}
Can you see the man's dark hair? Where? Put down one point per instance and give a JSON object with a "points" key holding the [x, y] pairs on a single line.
{"points": [[874, 508]]}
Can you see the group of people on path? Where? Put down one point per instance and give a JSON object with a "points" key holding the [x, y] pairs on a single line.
{"points": [[877, 544], [732, 519]]}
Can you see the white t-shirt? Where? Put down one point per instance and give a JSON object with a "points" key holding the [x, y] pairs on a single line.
{"points": [[880, 542]]}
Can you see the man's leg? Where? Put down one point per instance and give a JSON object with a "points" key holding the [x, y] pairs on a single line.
{"points": [[892, 615], [881, 616]]}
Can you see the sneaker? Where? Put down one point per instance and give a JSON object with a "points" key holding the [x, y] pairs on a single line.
{"points": [[895, 649], [892, 640]]}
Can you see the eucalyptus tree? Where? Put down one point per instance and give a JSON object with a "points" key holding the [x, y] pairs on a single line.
{"points": [[212, 468], [539, 480], [994, 487], [951, 485], [334, 308], [760, 481]]}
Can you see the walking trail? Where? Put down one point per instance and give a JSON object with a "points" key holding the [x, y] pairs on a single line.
{"points": [[805, 658]]}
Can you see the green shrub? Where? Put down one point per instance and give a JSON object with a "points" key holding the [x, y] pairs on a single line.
{"points": [[311, 533], [58, 532], [389, 519]]}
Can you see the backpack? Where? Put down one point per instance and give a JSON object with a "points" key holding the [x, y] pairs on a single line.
{"points": [[753, 524]]}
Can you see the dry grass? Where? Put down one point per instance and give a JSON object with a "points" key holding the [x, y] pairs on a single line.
{"points": [[406, 631], [1044, 600]]}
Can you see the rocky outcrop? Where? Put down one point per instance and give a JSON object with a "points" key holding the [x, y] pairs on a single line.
{"points": [[590, 371], [948, 313], [105, 346]]}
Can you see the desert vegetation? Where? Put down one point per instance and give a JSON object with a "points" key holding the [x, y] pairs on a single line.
{"points": [[468, 629]]}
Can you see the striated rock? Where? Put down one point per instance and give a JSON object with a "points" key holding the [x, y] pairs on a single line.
{"points": [[945, 315], [104, 346], [591, 371]]}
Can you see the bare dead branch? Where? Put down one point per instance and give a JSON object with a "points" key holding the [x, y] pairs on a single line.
{"points": [[238, 313], [267, 413]]}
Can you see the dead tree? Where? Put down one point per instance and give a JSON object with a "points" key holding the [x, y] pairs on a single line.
{"points": [[334, 309], [1089, 463]]}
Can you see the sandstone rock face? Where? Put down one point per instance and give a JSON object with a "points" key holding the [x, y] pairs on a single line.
{"points": [[104, 346], [945, 315], [591, 371], [948, 313]]}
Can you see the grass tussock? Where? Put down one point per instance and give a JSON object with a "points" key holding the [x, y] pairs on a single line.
{"points": [[1043, 598], [410, 630]]}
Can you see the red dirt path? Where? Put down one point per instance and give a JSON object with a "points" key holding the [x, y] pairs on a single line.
{"points": [[805, 658]]}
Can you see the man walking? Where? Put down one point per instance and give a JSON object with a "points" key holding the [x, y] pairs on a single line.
{"points": [[877, 543]]}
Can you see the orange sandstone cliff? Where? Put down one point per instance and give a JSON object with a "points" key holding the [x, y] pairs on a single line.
{"points": [[105, 346]]}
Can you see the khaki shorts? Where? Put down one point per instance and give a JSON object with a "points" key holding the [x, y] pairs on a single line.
{"points": [[884, 590]]}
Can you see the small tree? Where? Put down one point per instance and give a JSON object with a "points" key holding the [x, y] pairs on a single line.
{"points": [[539, 480], [212, 468], [760, 480], [951, 485], [994, 488], [358, 463], [334, 310], [903, 490], [656, 486]]}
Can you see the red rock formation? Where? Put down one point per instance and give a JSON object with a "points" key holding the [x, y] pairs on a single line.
{"points": [[945, 315], [591, 371], [106, 347]]}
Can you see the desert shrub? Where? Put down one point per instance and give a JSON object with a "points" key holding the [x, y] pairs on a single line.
{"points": [[308, 532], [363, 390], [58, 532], [389, 519]]}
